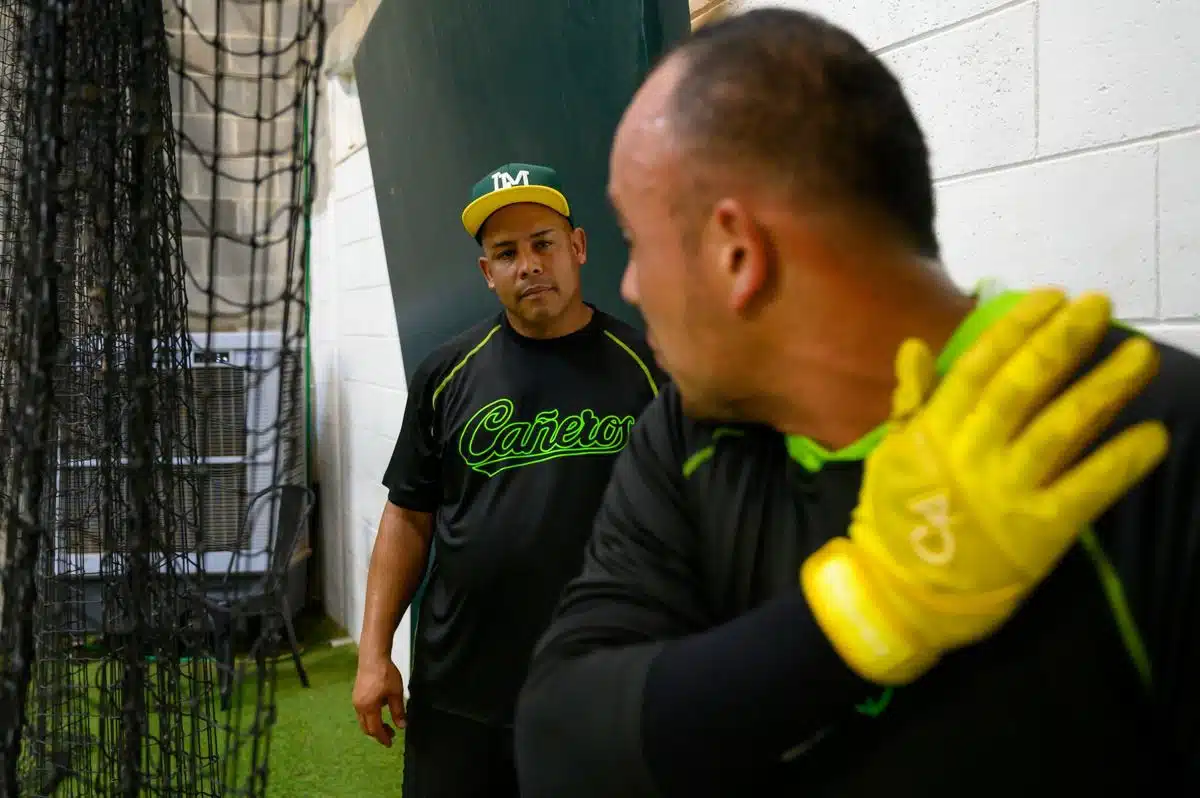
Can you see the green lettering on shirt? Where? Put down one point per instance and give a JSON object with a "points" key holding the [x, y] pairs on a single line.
{"points": [[492, 441]]}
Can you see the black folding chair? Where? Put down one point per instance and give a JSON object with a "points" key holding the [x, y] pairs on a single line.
{"points": [[233, 601]]}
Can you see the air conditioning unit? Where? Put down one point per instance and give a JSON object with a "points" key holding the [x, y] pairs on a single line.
{"points": [[245, 438]]}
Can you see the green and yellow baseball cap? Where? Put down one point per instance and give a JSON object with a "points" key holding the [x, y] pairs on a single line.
{"points": [[510, 184]]}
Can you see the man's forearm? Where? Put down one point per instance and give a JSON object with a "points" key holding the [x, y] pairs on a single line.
{"points": [[698, 716], [577, 725], [397, 566], [721, 705]]}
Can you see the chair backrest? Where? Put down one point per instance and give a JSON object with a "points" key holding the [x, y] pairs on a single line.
{"points": [[295, 505], [288, 506]]}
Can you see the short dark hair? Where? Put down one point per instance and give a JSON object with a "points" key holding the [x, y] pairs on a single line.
{"points": [[804, 103]]}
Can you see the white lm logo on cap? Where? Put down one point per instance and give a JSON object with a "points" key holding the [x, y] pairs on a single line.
{"points": [[505, 180]]}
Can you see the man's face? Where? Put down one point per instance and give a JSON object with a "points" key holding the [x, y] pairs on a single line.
{"points": [[531, 260], [671, 276]]}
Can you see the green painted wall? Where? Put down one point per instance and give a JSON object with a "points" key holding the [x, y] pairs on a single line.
{"points": [[453, 88]]}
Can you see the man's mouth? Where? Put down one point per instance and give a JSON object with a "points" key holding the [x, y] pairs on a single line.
{"points": [[534, 290]]}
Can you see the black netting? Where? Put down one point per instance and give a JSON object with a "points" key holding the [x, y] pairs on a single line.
{"points": [[155, 193]]}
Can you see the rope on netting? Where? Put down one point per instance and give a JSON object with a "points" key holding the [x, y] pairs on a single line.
{"points": [[152, 211]]}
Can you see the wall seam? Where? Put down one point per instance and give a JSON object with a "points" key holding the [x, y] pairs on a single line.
{"points": [[1110, 146]]}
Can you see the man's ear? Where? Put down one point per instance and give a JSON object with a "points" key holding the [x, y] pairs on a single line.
{"points": [[485, 266], [741, 250], [579, 244]]}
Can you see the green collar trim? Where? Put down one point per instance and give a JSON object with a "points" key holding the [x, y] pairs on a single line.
{"points": [[986, 313], [812, 456]]}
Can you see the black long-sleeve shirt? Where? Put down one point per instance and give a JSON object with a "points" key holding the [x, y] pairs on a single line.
{"points": [[683, 660]]}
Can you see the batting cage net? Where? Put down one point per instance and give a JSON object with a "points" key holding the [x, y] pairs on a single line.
{"points": [[155, 194]]}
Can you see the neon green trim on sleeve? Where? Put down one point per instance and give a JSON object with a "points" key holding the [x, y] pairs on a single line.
{"points": [[641, 364], [1114, 592], [457, 366], [705, 453]]}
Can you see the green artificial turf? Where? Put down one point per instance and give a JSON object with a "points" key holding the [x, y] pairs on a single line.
{"points": [[317, 749]]}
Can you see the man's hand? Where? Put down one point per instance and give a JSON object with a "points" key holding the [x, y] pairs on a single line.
{"points": [[975, 493], [378, 684]]}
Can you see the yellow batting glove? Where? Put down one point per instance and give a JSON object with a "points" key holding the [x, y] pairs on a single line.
{"points": [[976, 492]]}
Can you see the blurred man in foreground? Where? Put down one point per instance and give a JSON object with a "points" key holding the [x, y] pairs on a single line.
{"points": [[1002, 599]]}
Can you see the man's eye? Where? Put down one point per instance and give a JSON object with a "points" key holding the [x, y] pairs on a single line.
{"points": [[506, 254], [542, 245]]}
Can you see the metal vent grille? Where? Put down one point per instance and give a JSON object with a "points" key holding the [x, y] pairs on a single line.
{"points": [[220, 409], [244, 442], [221, 489], [223, 498], [287, 415]]}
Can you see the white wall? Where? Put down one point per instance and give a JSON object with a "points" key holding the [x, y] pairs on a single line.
{"points": [[358, 372], [1065, 137]]}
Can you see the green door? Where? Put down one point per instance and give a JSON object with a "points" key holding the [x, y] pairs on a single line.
{"points": [[452, 88]]}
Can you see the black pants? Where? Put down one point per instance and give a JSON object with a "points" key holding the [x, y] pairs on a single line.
{"points": [[449, 756]]}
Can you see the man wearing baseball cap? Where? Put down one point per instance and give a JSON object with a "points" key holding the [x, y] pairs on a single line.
{"points": [[509, 433]]}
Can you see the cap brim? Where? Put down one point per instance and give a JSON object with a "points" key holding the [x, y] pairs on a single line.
{"points": [[475, 214]]}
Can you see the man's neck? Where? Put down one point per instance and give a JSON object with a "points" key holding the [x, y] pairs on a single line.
{"points": [[574, 318], [837, 394]]}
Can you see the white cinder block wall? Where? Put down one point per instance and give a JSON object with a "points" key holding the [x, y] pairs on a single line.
{"points": [[1066, 146], [1065, 137], [359, 380]]}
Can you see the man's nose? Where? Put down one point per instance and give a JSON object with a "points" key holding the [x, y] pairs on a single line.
{"points": [[530, 263]]}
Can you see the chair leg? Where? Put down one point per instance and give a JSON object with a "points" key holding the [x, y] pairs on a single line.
{"points": [[226, 666], [293, 644]]}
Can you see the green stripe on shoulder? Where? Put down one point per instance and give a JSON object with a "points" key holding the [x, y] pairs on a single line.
{"points": [[458, 366], [641, 363], [1114, 592], [705, 453]]}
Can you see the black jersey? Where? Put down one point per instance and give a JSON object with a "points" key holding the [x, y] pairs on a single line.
{"points": [[684, 661], [510, 442]]}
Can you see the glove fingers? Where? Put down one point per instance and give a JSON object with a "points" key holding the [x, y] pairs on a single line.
{"points": [[962, 386], [915, 375], [1036, 372], [1077, 418], [1087, 490]]}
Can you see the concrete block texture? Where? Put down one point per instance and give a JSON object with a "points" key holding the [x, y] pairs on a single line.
{"points": [[248, 97], [1064, 137], [1084, 222], [245, 178], [258, 267], [882, 23], [268, 133], [1112, 70], [1179, 226], [204, 216], [974, 90], [235, 91], [214, 17], [247, 288]]}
